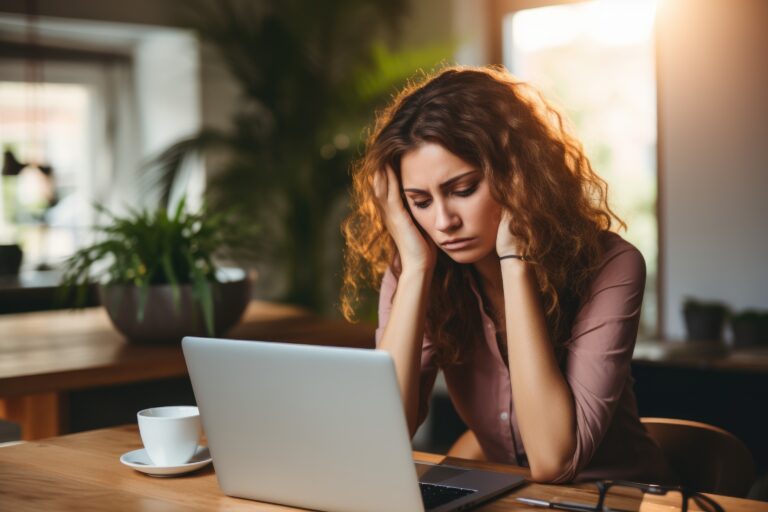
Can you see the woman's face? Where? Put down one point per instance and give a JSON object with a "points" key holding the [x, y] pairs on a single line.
{"points": [[451, 201]]}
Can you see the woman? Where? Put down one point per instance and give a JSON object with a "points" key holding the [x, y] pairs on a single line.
{"points": [[489, 231]]}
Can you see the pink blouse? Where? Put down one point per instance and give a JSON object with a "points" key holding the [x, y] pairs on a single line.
{"points": [[611, 443]]}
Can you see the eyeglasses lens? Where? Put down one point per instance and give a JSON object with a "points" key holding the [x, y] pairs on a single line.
{"points": [[622, 498]]}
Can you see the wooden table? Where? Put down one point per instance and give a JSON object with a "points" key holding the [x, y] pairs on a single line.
{"points": [[82, 472], [45, 355], [701, 355], [36, 290]]}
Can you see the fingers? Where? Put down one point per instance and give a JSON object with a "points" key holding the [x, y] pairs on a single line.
{"points": [[391, 203], [386, 189], [393, 187], [412, 242], [396, 197], [385, 182], [380, 186]]}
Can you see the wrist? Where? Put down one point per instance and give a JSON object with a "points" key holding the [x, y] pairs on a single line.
{"points": [[422, 270], [515, 266]]}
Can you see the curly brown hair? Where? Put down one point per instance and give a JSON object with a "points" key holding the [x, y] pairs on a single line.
{"points": [[536, 169]]}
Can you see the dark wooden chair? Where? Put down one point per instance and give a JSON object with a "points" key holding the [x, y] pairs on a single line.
{"points": [[705, 457]]}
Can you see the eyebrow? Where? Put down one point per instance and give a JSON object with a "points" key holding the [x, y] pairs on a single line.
{"points": [[444, 185]]}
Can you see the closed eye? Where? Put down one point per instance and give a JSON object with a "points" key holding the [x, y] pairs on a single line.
{"points": [[467, 191]]}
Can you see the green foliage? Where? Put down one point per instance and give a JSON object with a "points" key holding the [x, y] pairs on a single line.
{"points": [[311, 76], [153, 248]]}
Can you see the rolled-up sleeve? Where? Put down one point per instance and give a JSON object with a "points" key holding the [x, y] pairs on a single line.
{"points": [[600, 351], [428, 372]]}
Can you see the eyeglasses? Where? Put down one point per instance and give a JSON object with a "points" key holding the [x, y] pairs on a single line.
{"points": [[623, 496], [615, 492]]}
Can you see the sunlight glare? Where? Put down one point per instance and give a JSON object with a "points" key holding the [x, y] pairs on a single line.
{"points": [[610, 22]]}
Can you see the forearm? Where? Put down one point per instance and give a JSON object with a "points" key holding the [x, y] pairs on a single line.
{"points": [[403, 336], [543, 400]]}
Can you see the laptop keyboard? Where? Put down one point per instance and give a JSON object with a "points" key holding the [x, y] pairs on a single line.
{"points": [[435, 495]]}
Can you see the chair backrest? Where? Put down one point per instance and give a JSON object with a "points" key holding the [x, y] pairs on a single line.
{"points": [[707, 458]]}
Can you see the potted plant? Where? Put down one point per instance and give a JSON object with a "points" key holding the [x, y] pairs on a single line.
{"points": [[157, 276], [704, 321], [10, 259], [750, 327]]}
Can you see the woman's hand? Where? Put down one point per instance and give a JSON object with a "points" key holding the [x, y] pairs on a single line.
{"points": [[416, 249], [506, 243]]}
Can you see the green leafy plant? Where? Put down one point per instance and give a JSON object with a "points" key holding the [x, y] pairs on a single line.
{"points": [[311, 75], [147, 248], [704, 321], [750, 327]]}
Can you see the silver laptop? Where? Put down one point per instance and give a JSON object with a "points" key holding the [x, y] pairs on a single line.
{"points": [[319, 428]]}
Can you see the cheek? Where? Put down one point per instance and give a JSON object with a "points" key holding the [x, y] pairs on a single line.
{"points": [[494, 222], [421, 218], [495, 216], [494, 219], [489, 213]]}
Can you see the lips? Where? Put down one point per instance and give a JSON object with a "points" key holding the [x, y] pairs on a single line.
{"points": [[457, 244]]}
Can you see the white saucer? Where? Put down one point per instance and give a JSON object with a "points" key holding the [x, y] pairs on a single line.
{"points": [[140, 461]]}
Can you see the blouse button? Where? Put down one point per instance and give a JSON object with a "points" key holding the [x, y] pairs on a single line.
{"points": [[504, 416]]}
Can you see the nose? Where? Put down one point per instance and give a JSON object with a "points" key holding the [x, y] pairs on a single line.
{"points": [[446, 219]]}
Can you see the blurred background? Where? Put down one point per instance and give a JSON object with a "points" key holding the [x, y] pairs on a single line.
{"points": [[261, 105]]}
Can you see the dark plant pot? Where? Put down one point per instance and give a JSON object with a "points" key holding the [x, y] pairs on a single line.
{"points": [[163, 322], [704, 323], [750, 330], [10, 259]]}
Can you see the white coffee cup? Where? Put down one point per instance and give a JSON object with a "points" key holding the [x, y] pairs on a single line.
{"points": [[170, 434]]}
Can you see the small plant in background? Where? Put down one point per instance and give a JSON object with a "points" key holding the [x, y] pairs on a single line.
{"points": [[146, 248], [750, 327], [704, 321]]}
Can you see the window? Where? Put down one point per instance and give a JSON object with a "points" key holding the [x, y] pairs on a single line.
{"points": [[40, 124], [596, 60], [97, 101]]}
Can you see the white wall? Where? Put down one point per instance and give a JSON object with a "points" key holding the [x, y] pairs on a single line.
{"points": [[470, 18], [713, 106], [166, 66], [167, 85]]}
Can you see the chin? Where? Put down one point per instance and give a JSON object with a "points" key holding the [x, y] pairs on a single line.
{"points": [[467, 257]]}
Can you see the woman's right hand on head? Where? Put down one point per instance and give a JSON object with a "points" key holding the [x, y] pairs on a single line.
{"points": [[415, 248]]}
